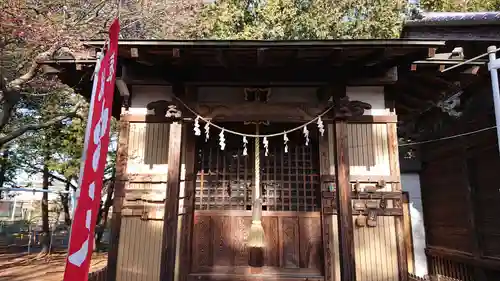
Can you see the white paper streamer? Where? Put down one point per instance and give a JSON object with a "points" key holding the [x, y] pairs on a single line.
{"points": [[245, 142], [196, 129], [306, 135], [222, 140], [207, 131], [266, 146], [321, 126], [285, 142]]}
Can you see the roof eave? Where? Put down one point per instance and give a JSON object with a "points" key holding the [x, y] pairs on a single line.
{"points": [[274, 43]]}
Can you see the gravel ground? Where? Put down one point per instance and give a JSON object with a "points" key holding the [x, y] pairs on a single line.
{"points": [[24, 267]]}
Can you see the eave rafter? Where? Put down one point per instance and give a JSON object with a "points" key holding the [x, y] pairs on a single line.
{"points": [[439, 92]]}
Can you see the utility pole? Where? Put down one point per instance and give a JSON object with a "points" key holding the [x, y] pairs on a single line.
{"points": [[493, 67]]}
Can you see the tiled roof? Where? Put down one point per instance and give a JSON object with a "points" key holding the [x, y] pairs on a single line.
{"points": [[454, 16], [459, 18]]}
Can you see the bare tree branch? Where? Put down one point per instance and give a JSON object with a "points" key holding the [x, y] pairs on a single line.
{"points": [[95, 10], [56, 177], [10, 94], [34, 127], [15, 85]]}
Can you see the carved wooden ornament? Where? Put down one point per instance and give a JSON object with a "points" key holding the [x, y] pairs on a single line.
{"points": [[166, 109], [344, 108]]}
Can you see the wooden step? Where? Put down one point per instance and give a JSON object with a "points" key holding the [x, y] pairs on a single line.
{"points": [[252, 277]]}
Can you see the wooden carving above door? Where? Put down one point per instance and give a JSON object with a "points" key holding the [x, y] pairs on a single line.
{"points": [[257, 111], [342, 108]]}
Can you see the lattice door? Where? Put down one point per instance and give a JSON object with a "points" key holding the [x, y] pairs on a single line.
{"points": [[290, 191]]}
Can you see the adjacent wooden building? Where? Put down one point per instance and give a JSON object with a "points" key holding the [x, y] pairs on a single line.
{"points": [[332, 209], [459, 150]]}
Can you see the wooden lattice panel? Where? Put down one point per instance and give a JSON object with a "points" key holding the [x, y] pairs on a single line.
{"points": [[290, 181], [223, 179]]}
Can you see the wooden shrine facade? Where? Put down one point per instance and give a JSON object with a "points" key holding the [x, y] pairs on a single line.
{"points": [[332, 208]]}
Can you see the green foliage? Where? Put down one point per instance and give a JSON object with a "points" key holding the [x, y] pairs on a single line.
{"points": [[300, 19], [38, 115], [53, 145], [60, 147]]}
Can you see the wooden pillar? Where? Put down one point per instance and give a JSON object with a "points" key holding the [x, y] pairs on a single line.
{"points": [[188, 203], [119, 193], [344, 204], [170, 220], [402, 255], [326, 215], [407, 233]]}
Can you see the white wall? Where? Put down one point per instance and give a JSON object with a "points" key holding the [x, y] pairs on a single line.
{"points": [[411, 184], [374, 95], [144, 94]]}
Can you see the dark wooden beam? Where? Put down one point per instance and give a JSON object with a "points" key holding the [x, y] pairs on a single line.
{"points": [[333, 58], [371, 58], [293, 58], [385, 63], [144, 57], [188, 203], [323, 93], [261, 56], [437, 81], [410, 99], [265, 75], [344, 204], [471, 186], [170, 221], [222, 58], [309, 72], [327, 221]]}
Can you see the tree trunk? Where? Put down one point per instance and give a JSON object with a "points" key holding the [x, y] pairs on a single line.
{"points": [[102, 219], [65, 203], [3, 169], [45, 235]]}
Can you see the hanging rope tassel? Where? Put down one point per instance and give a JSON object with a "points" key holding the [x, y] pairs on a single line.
{"points": [[256, 235]]}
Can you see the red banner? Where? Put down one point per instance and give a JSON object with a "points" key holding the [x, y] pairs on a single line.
{"points": [[81, 241]]}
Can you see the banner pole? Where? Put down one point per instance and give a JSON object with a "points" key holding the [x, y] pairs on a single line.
{"points": [[76, 194]]}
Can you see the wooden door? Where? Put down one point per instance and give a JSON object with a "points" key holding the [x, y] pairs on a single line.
{"points": [[291, 216]]}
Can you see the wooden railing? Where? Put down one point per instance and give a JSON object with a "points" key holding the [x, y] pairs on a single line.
{"points": [[412, 277], [443, 267], [100, 275], [445, 264]]}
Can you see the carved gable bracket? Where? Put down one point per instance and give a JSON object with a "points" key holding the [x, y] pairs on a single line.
{"points": [[166, 111], [345, 108]]}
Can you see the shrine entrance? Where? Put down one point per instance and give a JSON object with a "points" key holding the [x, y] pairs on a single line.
{"points": [[291, 196]]}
